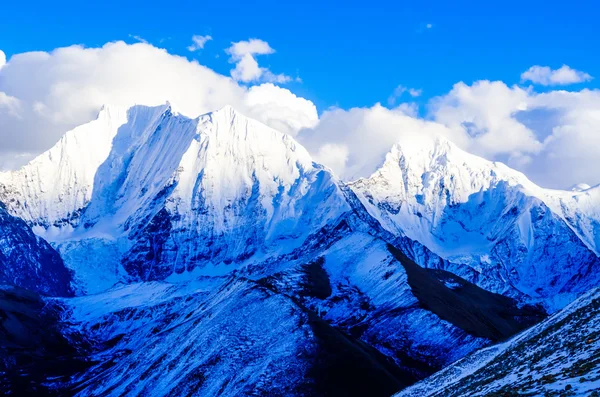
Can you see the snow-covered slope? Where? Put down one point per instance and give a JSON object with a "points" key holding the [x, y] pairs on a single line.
{"points": [[148, 194], [158, 193], [28, 261], [514, 237], [236, 338], [241, 191], [337, 316], [52, 189], [558, 357]]}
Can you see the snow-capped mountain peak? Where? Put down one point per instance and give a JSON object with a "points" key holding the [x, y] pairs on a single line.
{"points": [[482, 214], [258, 243], [54, 186], [130, 171], [426, 162]]}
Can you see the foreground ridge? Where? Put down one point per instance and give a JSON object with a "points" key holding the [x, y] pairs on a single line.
{"points": [[560, 356]]}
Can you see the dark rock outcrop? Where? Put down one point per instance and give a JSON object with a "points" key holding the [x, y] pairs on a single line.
{"points": [[28, 261]]}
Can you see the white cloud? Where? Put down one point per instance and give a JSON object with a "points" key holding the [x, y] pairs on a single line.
{"points": [[400, 90], [11, 105], [2, 59], [198, 42], [481, 115], [138, 38], [45, 94], [553, 137], [246, 68], [544, 75], [365, 134], [335, 155], [429, 26], [280, 108]]}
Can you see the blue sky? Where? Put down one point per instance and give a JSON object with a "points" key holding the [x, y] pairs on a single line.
{"points": [[346, 53]]}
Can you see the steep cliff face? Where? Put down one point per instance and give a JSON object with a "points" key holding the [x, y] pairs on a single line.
{"points": [[240, 191], [50, 192], [28, 261], [514, 237]]}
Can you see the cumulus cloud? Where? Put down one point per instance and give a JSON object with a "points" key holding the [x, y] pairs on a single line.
{"points": [[354, 142], [44, 94], [10, 104], [552, 137], [243, 54], [280, 108], [481, 117], [544, 75], [400, 90], [198, 42], [335, 155]]}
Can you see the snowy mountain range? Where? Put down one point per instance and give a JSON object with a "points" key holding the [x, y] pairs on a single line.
{"points": [[212, 256]]}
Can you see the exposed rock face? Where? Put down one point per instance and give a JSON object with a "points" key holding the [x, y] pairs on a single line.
{"points": [[35, 357], [475, 310], [28, 261]]}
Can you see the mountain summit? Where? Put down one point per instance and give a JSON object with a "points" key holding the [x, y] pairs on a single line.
{"points": [[498, 229], [160, 193]]}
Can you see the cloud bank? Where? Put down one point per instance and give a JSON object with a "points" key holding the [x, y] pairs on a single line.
{"points": [[552, 136], [44, 94]]}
